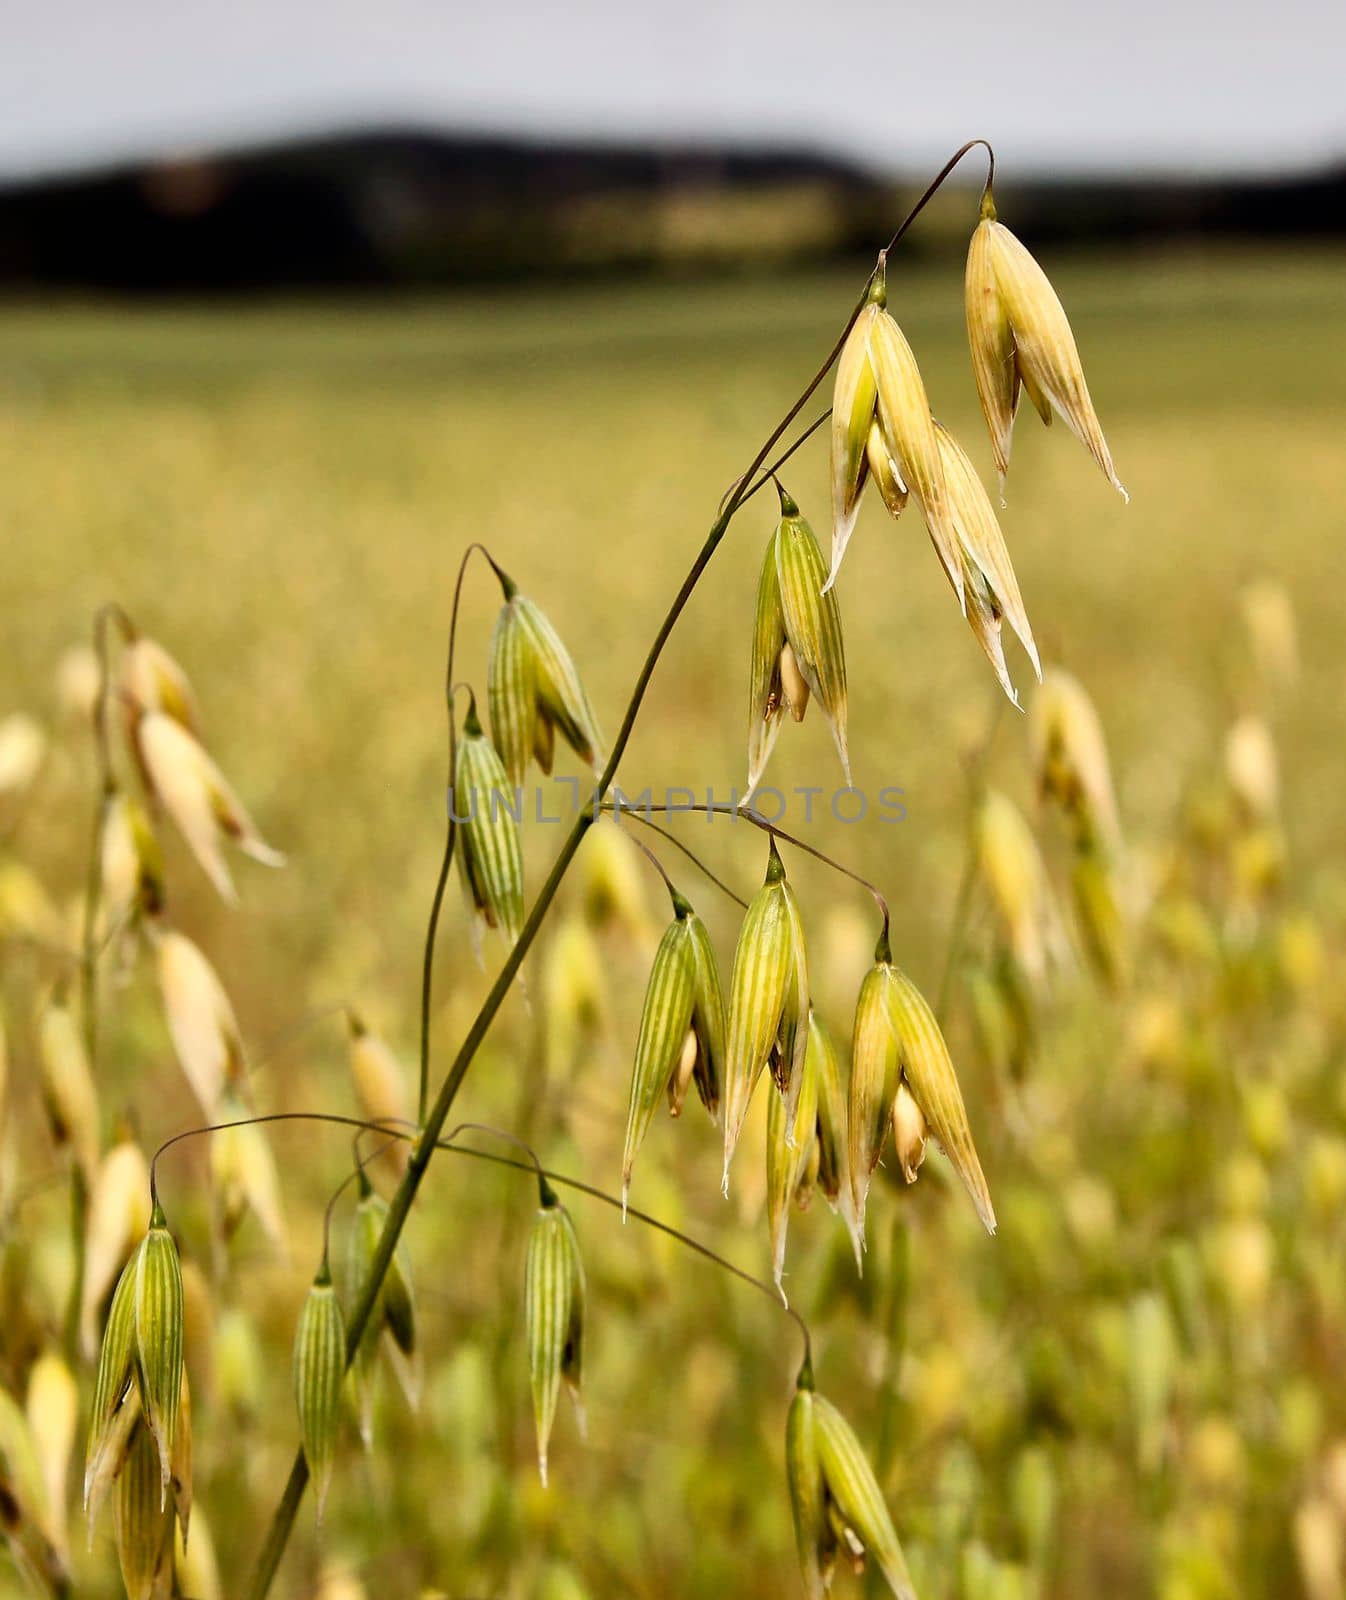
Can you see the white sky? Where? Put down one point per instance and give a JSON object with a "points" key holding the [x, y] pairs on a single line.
{"points": [[1065, 85]]}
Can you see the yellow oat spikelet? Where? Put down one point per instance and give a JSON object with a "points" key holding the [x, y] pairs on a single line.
{"points": [[77, 683], [380, 1089], [151, 680], [928, 1072], [1011, 866], [1252, 768], [612, 883], [196, 1565], [23, 748], [194, 792], [1070, 757], [200, 1019], [27, 911], [51, 1405], [68, 1090], [119, 1214], [243, 1176], [132, 865], [1269, 617], [1020, 338], [878, 384]]}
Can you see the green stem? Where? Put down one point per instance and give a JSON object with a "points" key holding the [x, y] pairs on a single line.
{"points": [[432, 1125]]}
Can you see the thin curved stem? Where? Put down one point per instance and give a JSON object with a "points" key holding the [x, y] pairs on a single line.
{"points": [[697, 862], [442, 880], [769, 473], [252, 1122], [433, 1120], [758, 821], [937, 183], [601, 1195]]}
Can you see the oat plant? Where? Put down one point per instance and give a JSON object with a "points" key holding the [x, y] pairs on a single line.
{"points": [[732, 1032]]}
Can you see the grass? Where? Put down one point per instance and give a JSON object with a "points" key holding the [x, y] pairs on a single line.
{"points": [[281, 494]]}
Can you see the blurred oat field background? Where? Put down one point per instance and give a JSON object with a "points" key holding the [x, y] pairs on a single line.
{"points": [[1135, 1388]]}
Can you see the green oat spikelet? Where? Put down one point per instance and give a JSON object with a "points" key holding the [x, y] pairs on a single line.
{"points": [[1020, 337], [144, 1522], [768, 1003], [792, 1156], [902, 1076], [837, 1504], [797, 650], [875, 1077], [834, 1159], [141, 1357], [682, 1030], [490, 853], [392, 1319], [534, 690], [553, 1316], [319, 1368]]}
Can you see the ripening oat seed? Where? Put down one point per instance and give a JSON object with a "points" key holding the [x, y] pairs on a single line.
{"points": [[797, 649], [140, 1365], [1070, 757], [878, 382], [380, 1089], [23, 748], [1012, 868], [768, 1003], [792, 1158], [200, 1018], [990, 589], [68, 1090], [682, 1030], [534, 691], [119, 1214], [838, 1507], [151, 680], [490, 855], [1020, 338], [51, 1406], [898, 1043], [196, 795]]}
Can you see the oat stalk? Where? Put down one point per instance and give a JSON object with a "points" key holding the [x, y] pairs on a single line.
{"points": [[434, 1119]]}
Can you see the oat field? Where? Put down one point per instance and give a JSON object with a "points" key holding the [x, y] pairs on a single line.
{"points": [[1134, 1388]]}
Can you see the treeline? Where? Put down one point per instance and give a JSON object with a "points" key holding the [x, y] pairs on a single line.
{"points": [[387, 210]]}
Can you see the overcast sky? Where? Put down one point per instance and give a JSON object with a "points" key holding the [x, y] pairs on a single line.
{"points": [[1073, 85]]}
